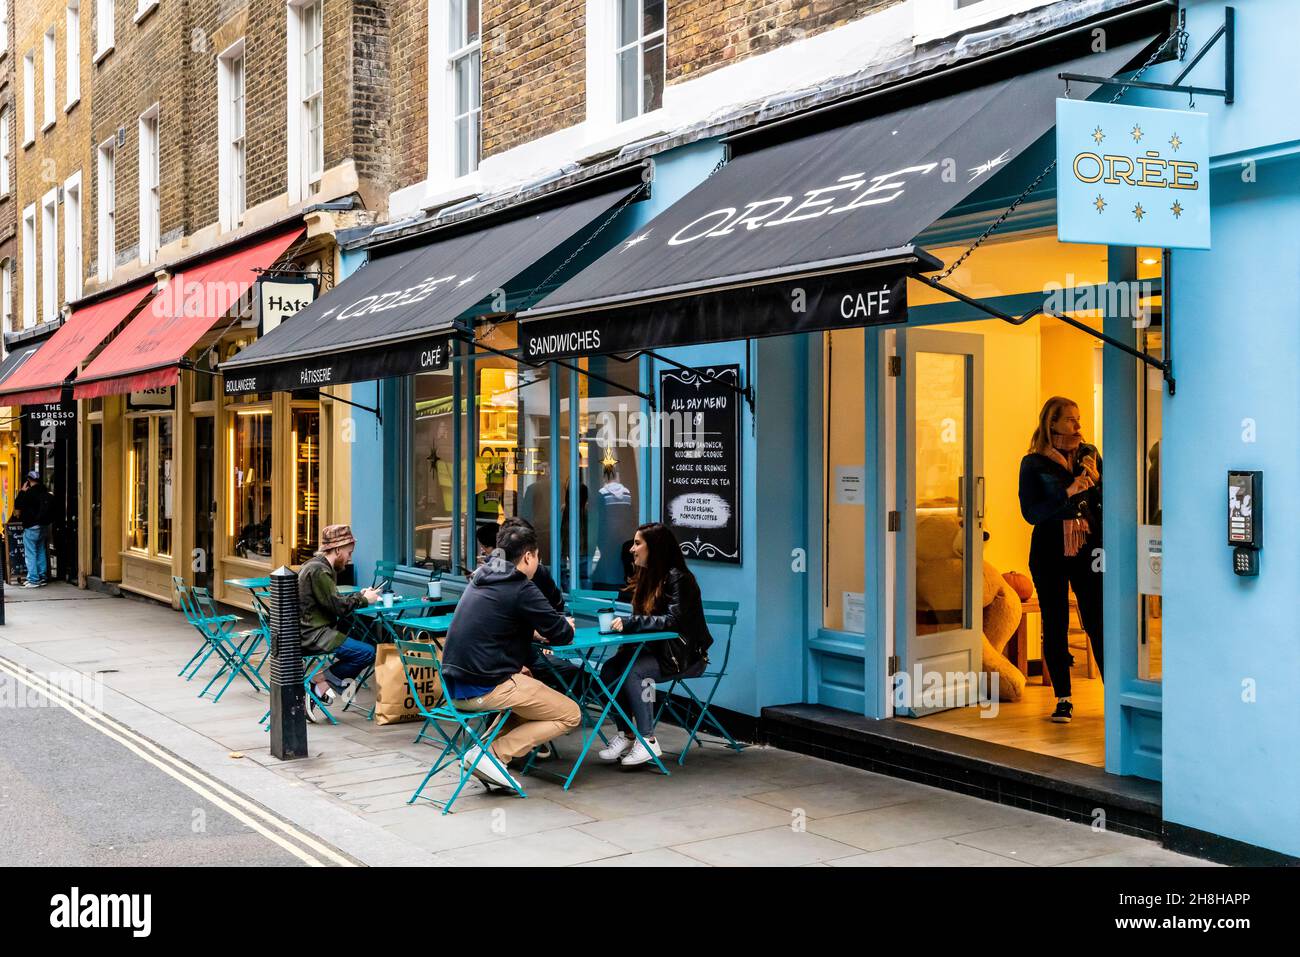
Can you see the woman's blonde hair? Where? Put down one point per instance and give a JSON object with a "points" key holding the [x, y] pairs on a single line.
{"points": [[1051, 411]]}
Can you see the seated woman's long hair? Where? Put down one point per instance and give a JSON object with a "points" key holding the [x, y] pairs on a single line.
{"points": [[647, 581]]}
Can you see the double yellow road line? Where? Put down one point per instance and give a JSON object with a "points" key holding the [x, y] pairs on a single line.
{"points": [[279, 831]]}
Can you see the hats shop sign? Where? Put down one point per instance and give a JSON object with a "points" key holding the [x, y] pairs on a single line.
{"points": [[1132, 176]]}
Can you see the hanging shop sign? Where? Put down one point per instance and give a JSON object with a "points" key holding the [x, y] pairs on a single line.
{"points": [[1132, 176], [700, 410], [280, 297], [160, 398], [57, 415]]}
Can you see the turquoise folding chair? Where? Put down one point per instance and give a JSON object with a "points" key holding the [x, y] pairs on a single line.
{"points": [[235, 648], [205, 624], [312, 662], [384, 572], [721, 613], [472, 729], [187, 609]]}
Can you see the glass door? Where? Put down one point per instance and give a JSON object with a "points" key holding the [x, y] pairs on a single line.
{"points": [[941, 512], [205, 498], [96, 498]]}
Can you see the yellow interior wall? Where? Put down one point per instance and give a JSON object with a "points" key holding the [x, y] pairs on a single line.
{"points": [[1067, 369], [1011, 403], [845, 566]]}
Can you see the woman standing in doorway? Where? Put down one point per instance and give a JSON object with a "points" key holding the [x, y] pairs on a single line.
{"points": [[1060, 495]]}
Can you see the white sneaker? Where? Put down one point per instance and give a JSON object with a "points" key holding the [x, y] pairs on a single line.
{"points": [[619, 745], [639, 754], [314, 715], [486, 771]]}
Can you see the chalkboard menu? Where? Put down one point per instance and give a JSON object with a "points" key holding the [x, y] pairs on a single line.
{"points": [[701, 460]]}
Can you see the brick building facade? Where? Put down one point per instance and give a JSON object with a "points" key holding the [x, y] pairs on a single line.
{"points": [[51, 176], [8, 193]]}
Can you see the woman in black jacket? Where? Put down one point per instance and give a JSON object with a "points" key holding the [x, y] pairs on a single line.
{"points": [[1060, 495], [664, 597]]}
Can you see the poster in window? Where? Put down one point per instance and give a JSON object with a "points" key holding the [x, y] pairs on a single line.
{"points": [[701, 474]]}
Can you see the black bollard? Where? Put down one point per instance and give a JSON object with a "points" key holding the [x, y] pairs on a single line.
{"points": [[288, 711]]}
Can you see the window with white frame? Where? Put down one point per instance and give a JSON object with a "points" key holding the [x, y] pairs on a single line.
{"points": [[28, 253], [29, 98], [72, 270], [49, 73], [106, 214], [150, 195], [4, 27], [306, 140], [142, 7], [639, 56], [50, 256], [104, 12], [935, 19], [465, 61], [231, 160], [72, 51], [5, 117], [7, 296]]}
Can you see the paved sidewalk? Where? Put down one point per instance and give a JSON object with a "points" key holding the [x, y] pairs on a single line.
{"points": [[760, 807]]}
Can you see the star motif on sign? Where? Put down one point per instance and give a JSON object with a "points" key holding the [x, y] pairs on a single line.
{"points": [[1136, 133], [1175, 142], [1100, 203], [632, 242], [1139, 212], [1098, 136], [1176, 209], [466, 279]]}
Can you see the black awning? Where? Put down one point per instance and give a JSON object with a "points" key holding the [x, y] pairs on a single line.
{"points": [[799, 215], [394, 315], [15, 361]]}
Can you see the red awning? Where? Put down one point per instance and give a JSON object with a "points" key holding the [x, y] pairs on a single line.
{"points": [[41, 378], [146, 353]]}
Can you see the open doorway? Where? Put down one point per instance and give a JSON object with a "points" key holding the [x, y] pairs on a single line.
{"points": [[970, 620]]}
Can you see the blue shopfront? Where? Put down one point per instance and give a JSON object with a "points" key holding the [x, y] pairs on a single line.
{"points": [[878, 524]]}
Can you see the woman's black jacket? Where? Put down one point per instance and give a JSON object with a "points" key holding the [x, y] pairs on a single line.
{"points": [[1045, 504], [678, 609]]}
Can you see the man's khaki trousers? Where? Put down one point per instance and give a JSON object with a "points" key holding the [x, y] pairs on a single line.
{"points": [[538, 714]]}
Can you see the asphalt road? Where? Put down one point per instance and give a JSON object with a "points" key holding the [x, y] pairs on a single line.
{"points": [[70, 795]]}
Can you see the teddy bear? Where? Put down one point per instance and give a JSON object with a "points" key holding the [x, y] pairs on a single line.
{"points": [[939, 589]]}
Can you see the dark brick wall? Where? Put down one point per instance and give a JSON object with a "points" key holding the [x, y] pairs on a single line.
{"points": [[534, 70], [706, 34]]}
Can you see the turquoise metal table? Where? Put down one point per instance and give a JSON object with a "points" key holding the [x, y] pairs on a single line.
{"points": [[429, 626], [378, 623], [378, 619], [590, 646]]}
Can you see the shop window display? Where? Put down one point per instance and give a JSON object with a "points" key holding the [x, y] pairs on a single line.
{"points": [[137, 470], [249, 456], [305, 490]]}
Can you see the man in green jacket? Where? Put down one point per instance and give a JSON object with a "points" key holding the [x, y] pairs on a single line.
{"points": [[322, 612]]}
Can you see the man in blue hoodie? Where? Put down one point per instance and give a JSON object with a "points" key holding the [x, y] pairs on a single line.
{"points": [[490, 643]]}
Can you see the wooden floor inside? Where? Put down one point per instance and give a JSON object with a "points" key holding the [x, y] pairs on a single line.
{"points": [[1024, 724]]}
